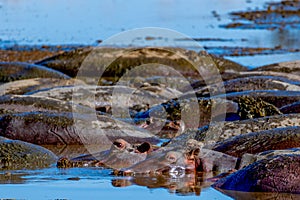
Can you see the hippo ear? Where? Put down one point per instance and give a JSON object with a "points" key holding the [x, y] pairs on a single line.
{"points": [[145, 147]]}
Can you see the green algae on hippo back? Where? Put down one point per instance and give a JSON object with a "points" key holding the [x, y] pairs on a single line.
{"points": [[46, 128], [256, 142], [18, 71], [278, 98], [17, 154], [219, 131], [71, 61]]}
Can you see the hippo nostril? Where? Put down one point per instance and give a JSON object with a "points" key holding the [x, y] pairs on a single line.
{"points": [[144, 147]]}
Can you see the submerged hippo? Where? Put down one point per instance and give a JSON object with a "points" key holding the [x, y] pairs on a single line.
{"points": [[15, 154], [183, 160], [276, 98], [291, 67], [192, 112], [219, 131], [33, 84], [278, 138], [17, 71], [121, 154], [248, 83], [46, 128], [10, 104], [118, 97], [291, 108], [125, 59], [275, 174], [251, 158]]}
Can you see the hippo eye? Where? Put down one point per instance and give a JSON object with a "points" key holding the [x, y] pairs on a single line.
{"points": [[118, 144]]}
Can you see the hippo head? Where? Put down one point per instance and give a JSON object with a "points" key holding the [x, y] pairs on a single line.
{"points": [[174, 163], [121, 154]]}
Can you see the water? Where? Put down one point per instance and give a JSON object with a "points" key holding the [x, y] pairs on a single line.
{"points": [[78, 22], [55, 22], [86, 183]]}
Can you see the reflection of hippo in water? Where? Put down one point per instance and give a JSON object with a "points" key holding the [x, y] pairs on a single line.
{"points": [[121, 154]]}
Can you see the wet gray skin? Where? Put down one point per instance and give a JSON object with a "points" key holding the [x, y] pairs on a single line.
{"points": [[277, 98], [291, 67], [30, 85], [184, 110], [18, 71], [239, 75], [256, 142], [46, 128], [219, 131], [120, 155], [17, 154], [175, 107], [291, 108], [70, 62], [121, 98], [10, 104], [248, 159], [278, 174], [247, 83], [170, 162], [177, 162]]}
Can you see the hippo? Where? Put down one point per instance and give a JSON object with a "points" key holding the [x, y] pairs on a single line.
{"points": [[248, 83], [47, 128], [276, 98], [184, 160], [125, 59], [67, 62], [15, 155], [291, 67], [18, 71], [239, 75], [103, 98], [256, 142], [248, 159], [183, 111], [121, 154], [219, 131], [291, 108], [10, 104], [29, 85], [278, 174]]}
